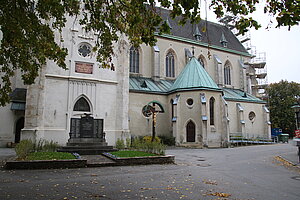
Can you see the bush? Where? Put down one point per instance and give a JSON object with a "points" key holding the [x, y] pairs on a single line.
{"points": [[50, 146], [39, 145], [128, 143], [148, 146], [24, 148], [45, 146], [149, 139], [167, 140], [27, 146], [120, 144]]}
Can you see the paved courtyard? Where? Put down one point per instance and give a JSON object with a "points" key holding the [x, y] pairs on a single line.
{"points": [[235, 173]]}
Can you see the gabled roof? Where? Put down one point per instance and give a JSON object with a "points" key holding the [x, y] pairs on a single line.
{"points": [[211, 32], [239, 95], [194, 77]]}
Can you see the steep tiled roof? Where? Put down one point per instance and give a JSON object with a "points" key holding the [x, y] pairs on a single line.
{"points": [[211, 32], [239, 95], [192, 77]]}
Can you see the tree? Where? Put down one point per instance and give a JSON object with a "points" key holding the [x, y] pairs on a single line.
{"points": [[28, 27], [282, 96]]}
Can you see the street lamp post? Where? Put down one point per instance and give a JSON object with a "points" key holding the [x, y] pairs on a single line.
{"points": [[297, 132]]}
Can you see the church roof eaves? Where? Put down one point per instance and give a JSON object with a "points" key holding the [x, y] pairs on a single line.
{"points": [[182, 39], [239, 95], [154, 87]]}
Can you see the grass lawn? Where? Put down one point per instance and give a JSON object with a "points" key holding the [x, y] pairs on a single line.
{"points": [[50, 156], [127, 154]]}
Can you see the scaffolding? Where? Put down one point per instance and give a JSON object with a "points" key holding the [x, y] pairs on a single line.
{"points": [[257, 65]]}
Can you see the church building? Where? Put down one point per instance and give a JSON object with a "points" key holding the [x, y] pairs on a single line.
{"points": [[200, 77]]}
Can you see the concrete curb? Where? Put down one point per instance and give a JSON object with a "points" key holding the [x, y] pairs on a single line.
{"points": [[82, 163], [46, 164], [168, 159], [282, 159]]}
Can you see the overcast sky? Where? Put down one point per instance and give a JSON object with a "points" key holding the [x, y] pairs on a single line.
{"points": [[282, 47]]}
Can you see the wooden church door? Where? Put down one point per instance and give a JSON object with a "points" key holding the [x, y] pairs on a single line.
{"points": [[190, 132]]}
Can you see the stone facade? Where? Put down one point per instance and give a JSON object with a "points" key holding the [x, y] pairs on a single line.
{"points": [[109, 95]]}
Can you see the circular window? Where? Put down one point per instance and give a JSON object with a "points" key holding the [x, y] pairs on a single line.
{"points": [[190, 101], [251, 116], [85, 50]]}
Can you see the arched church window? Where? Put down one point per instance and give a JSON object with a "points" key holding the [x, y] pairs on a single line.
{"points": [[212, 111], [170, 65], [82, 105], [134, 60], [227, 75]]}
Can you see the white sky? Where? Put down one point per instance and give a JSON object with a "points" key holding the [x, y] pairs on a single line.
{"points": [[282, 47]]}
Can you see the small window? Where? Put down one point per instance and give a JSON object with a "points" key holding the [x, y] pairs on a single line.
{"points": [[170, 65], [134, 60], [85, 50], [172, 108], [190, 102], [227, 75], [82, 105], [251, 116], [212, 111]]}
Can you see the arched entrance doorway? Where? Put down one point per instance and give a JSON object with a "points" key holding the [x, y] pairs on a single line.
{"points": [[190, 132], [19, 127]]}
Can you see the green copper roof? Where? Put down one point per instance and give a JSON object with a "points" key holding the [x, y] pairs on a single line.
{"points": [[239, 95], [148, 85], [193, 77]]}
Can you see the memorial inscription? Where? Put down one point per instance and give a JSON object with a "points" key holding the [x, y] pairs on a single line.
{"points": [[87, 127]]}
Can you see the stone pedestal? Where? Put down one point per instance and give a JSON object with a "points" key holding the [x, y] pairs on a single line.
{"points": [[87, 137]]}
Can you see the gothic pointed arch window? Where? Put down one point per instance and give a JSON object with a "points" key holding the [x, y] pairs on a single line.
{"points": [[134, 60], [212, 111], [227, 74], [82, 105], [170, 64]]}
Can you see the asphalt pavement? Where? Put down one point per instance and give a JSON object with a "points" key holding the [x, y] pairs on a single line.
{"points": [[249, 172]]}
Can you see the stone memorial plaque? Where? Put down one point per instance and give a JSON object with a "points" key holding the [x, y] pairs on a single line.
{"points": [[87, 127], [98, 125], [85, 68], [75, 127]]}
